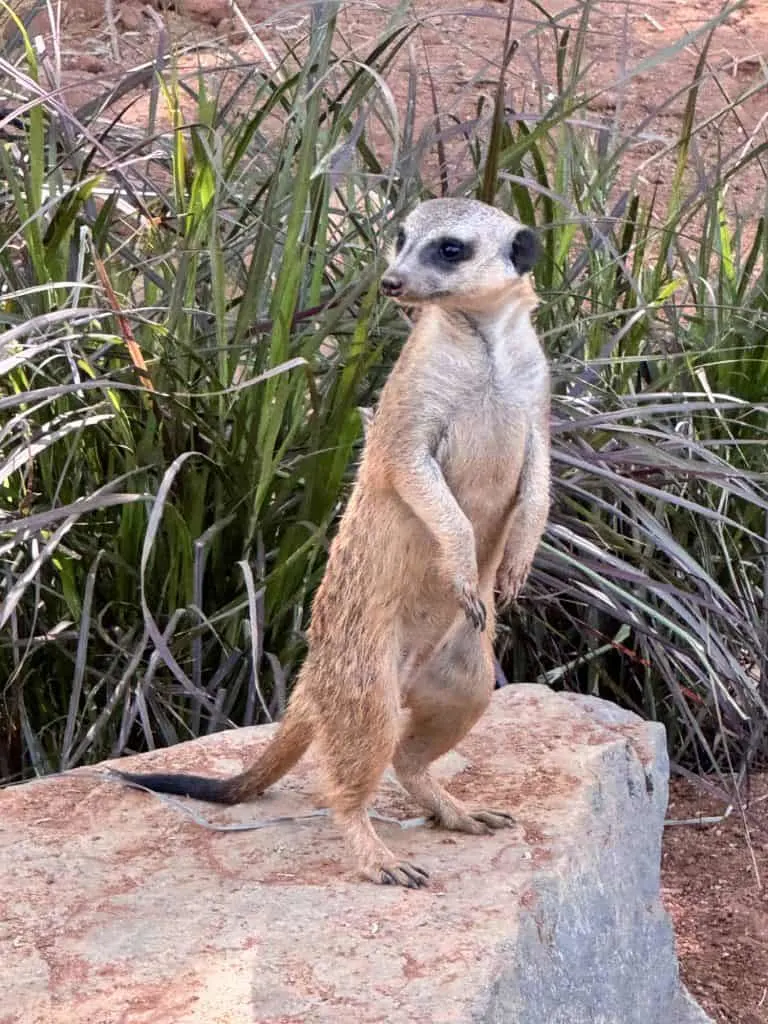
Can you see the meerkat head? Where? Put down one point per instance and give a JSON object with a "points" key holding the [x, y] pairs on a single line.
{"points": [[460, 254]]}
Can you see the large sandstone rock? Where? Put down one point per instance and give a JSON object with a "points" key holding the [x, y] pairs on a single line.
{"points": [[116, 907]]}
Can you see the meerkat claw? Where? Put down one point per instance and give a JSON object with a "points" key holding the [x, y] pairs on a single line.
{"points": [[473, 607], [408, 875], [477, 823], [494, 819]]}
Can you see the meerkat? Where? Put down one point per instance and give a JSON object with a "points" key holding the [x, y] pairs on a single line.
{"points": [[449, 505]]}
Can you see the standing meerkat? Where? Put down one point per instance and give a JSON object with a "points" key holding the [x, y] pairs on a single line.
{"points": [[450, 502]]}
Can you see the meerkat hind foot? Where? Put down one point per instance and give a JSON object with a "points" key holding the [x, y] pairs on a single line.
{"points": [[479, 822], [375, 861]]}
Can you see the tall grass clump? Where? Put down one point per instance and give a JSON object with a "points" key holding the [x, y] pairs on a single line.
{"points": [[191, 323]]}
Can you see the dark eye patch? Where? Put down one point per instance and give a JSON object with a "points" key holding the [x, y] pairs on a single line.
{"points": [[400, 240], [525, 250], [447, 251]]}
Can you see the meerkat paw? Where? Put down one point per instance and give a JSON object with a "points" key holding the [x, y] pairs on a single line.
{"points": [[510, 581], [397, 872], [493, 820], [470, 601]]}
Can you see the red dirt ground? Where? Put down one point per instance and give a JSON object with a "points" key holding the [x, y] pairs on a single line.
{"points": [[719, 909]]}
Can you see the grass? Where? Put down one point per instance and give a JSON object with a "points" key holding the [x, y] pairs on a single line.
{"points": [[191, 323]]}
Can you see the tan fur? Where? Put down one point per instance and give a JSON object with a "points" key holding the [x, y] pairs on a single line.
{"points": [[450, 502], [451, 499]]}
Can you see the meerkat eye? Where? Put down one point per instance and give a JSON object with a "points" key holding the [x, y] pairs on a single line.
{"points": [[452, 250], [400, 240], [446, 251]]}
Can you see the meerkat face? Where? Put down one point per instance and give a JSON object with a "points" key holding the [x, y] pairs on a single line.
{"points": [[459, 254]]}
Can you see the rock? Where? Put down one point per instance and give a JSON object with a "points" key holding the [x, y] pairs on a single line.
{"points": [[83, 12], [233, 31], [131, 18], [88, 63], [210, 11], [685, 1010], [117, 907]]}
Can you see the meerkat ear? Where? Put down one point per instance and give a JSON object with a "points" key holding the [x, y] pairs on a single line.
{"points": [[525, 250]]}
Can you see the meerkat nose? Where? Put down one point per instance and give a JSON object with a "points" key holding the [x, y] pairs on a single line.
{"points": [[391, 285]]}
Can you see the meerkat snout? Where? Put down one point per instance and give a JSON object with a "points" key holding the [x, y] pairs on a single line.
{"points": [[391, 285], [459, 253]]}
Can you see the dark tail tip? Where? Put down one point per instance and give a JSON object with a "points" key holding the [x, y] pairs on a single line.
{"points": [[215, 791]]}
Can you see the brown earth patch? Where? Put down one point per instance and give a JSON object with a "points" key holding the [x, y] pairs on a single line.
{"points": [[720, 912]]}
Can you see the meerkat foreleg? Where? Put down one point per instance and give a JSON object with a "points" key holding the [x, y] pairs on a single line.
{"points": [[529, 518], [422, 486], [444, 700]]}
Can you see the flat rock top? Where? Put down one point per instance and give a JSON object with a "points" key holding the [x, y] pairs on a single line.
{"points": [[115, 906]]}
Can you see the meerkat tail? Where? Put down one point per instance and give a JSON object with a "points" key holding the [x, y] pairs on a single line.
{"points": [[292, 739], [214, 791]]}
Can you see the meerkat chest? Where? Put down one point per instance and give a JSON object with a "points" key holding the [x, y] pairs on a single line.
{"points": [[483, 445]]}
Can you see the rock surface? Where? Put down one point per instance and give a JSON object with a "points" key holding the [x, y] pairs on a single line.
{"points": [[116, 907]]}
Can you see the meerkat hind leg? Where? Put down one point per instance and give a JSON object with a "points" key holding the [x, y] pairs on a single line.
{"points": [[374, 859], [355, 757], [444, 702]]}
